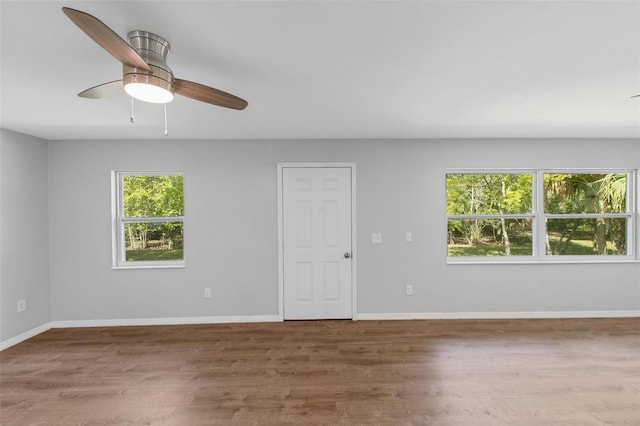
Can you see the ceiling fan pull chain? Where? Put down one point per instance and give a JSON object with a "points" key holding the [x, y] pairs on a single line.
{"points": [[132, 119], [166, 130]]}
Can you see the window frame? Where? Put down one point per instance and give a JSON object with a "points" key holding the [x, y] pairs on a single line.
{"points": [[119, 220], [539, 219]]}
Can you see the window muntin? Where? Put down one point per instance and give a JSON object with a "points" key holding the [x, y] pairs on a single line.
{"points": [[149, 219], [549, 215]]}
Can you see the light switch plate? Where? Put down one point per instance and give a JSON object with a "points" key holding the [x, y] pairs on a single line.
{"points": [[376, 238]]}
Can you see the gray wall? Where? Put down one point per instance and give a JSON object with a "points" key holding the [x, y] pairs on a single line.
{"points": [[24, 233], [231, 231]]}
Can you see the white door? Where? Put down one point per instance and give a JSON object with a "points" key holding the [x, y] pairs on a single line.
{"points": [[317, 265]]}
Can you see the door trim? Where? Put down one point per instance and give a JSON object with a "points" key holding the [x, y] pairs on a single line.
{"points": [[354, 250]]}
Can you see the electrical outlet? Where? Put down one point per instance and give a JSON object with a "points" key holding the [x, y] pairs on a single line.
{"points": [[376, 238], [408, 237], [409, 290], [22, 305], [207, 292]]}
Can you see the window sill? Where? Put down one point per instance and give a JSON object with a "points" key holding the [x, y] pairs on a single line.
{"points": [[177, 266], [539, 262]]}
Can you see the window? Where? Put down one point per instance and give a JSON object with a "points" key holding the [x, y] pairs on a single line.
{"points": [[540, 215], [586, 214], [490, 214], [148, 210]]}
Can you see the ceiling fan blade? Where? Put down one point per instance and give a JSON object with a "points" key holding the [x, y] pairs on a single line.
{"points": [[107, 38], [635, 96], [103, 90], [208, 94]]}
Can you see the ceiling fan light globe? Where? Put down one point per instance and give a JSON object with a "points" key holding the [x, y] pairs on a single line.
{"points": [[148, 93]]}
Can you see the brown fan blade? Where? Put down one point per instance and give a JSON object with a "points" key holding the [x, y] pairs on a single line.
{"points": [[103, 90], [208, 94], [107, 38]]}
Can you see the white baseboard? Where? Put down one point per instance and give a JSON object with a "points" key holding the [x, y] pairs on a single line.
{"points": [[498, 315], [164, 321], [24, 336]]}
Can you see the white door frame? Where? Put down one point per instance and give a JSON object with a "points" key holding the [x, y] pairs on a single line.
{"points": [[354, 250]]}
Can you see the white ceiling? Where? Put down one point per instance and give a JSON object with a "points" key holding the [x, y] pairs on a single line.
{"points": [[336, 69]]}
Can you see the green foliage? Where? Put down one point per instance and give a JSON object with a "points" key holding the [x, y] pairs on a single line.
{"points": [[155, 197], [481, 194], [490, 231], [564, 193], [489, 193], [584, 193]]}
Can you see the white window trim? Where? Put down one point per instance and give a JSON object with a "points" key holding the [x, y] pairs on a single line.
{"points": [[118, 220], [539, 218]]}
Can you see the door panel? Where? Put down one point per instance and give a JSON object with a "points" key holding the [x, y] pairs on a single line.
{"points": [[316, 235]]}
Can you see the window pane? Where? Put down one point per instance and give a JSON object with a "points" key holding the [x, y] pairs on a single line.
{"points": [[489, 237], [585, 193], [489, 193], [153, 241], [601, 236], [153, 196]]}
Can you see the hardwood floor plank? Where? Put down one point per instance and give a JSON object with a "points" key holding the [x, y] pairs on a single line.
{"points": [[452, 372]]}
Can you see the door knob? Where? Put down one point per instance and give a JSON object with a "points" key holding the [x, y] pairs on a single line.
{"points": [[347, 255]]}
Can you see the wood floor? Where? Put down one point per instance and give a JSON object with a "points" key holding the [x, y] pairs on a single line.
{"points": [[489, 372]]}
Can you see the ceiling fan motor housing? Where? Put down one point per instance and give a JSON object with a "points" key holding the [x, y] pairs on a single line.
{"points": [[154, 50]]}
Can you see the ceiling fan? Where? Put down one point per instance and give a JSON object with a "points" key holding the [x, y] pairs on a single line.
{"points": [[146, 75]]}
